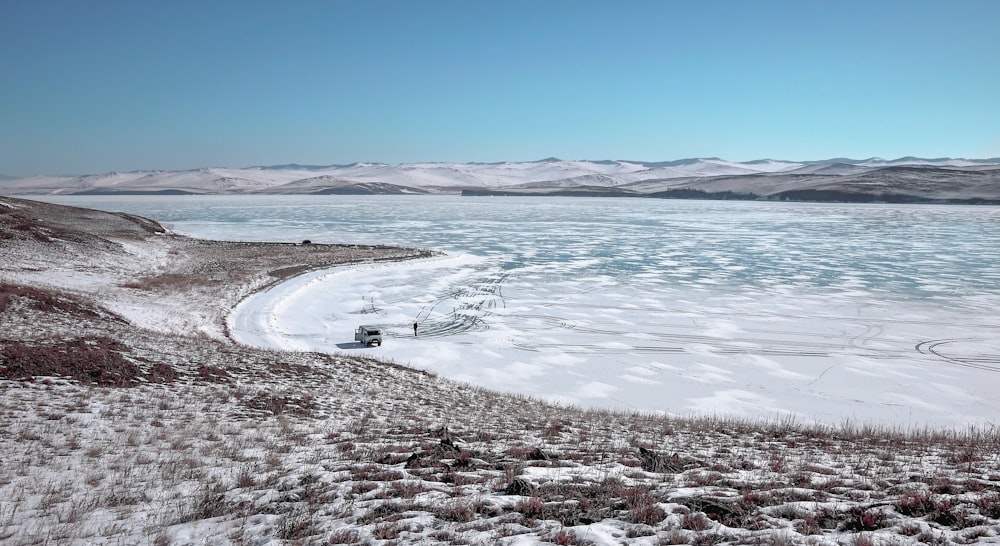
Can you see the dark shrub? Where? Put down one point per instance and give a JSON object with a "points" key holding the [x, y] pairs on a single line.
{"points": [[96, 360]]}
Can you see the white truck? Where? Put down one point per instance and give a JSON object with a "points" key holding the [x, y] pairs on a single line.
{"points": [[368, 335]]}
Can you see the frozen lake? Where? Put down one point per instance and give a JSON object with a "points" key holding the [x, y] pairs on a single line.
{"points": [[884, 313]]}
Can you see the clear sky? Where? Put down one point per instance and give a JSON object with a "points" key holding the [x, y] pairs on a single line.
{"points": [[94, 86]]}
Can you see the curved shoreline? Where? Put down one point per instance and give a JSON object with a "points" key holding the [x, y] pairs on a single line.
{"points": [[239, 313], [277, 277]]}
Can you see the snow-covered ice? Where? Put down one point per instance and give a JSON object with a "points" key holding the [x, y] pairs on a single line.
{"points": [[826, 312]]}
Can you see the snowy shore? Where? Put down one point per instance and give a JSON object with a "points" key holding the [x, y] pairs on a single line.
{"points": [[824, 358]]}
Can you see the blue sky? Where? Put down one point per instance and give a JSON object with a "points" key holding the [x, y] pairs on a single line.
{"points": [[96, 86]]}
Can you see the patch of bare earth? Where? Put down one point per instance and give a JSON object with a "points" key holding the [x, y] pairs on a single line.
{"points": [[117, 430]]}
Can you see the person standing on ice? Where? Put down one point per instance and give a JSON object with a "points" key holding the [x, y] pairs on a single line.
{"points": [[414, 329]]}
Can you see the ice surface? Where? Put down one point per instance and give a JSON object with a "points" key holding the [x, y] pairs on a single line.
{"points": [[827, 312]]}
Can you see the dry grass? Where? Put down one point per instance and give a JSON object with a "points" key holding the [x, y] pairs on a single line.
{"points": [[376, 466]]}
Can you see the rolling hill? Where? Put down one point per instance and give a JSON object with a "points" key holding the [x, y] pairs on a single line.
{"points": [[903, 180]]}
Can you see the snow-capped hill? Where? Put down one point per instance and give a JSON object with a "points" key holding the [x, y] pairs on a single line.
{"points": [[834, 168], [586, 180], [328, 184], [910, 160], [704, 163], [719, 167], [704, 168], [707, 174], [772, 165], [677, 162]]}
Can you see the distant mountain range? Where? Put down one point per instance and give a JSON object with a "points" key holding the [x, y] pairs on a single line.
{"points": [[903, 180]]}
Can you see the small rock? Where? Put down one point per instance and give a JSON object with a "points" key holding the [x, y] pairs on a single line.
{"points": [[654, 462], [537, 455], [521, 487], [446, 448]]}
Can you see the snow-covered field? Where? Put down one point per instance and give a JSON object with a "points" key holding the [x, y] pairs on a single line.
{"points": [[828, 313]]}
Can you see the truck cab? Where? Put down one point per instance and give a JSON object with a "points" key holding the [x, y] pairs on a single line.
{"points": [[368, 335]]}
